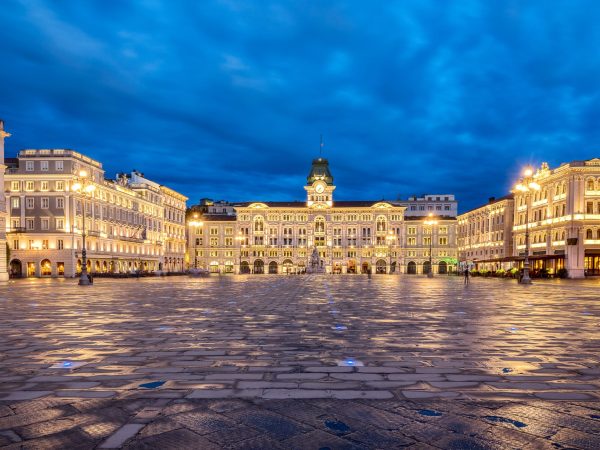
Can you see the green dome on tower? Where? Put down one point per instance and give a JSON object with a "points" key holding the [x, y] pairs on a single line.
{"points": [[319, 171]]}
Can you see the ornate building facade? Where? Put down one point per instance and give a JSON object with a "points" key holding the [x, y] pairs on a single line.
{"points": [[562, 216], [559, 210], [55, 196], [485, 235], [341, 236]]}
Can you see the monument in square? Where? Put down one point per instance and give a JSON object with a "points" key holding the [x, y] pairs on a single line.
{"points": [[315, 265]]}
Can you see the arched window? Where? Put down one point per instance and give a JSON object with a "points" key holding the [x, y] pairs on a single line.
{"points": [[381, 224], [590, 184], [588, 234], [564, 188], [319, 225], [557, 189], [563, 236], [259, 224]]}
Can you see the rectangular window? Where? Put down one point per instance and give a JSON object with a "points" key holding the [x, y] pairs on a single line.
{"points": [[60, 244], [60, 185], [29, 166], [44, 186], [60, 224], [44, 166], [45, 202], [214, 231], [58, 165], [29, 202], [45, 244], [214, 242], [15, 202], [29, 186], [60, 202], [45, 223], [590, 207], [29, 224], [16, 244], [30, 244], [14, 186], [443, 241]]}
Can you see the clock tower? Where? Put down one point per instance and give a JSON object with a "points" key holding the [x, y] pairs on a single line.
{"points": [[319, 185]]}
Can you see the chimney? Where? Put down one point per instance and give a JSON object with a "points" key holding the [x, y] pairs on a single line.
{"points": [[491, 199]]}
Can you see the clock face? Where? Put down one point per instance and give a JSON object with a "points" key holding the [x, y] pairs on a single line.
{"points": [[319, 188]]}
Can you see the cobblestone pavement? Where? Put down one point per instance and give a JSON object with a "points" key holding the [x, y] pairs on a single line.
{"points": [[300, 362]]}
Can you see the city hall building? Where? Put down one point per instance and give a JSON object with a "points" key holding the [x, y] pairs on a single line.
{"points": [[322, 234]]}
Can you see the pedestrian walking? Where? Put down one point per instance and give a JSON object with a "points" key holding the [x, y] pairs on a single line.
{"points": [[466, 276]]}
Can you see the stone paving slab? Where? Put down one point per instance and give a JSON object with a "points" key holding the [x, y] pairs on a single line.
{"points": [[75, 364]]}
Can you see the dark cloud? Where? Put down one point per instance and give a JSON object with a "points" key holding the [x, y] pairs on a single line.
{"points": [[227, 99]]}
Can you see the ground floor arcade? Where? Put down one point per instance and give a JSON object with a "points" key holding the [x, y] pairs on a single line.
{"points": [[350, 266], [65, 265]]}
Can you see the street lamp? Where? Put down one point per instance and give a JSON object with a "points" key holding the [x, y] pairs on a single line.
{"points": [[85, 187], [195, 224], [239, 238], [390, 239], [431, 222], [526, 186]]}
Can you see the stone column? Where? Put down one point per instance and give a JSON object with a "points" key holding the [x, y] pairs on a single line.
{"points": [[575, 254], [3, 213]]}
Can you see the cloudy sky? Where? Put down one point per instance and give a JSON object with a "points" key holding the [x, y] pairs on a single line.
{"points": [[227, 99]]}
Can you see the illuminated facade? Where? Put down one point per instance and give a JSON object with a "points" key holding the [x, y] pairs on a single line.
{"points": [[319, 235], [485, 235], [563, 217], [131, 223]]}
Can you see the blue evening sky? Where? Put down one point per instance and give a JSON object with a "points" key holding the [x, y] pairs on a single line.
{"points": [[227, 99]]}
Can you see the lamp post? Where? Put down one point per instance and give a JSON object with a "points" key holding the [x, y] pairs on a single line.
{"points": [[239, 238], [84, 186], [526, 186], [390, 239], [431, 222], [195, 224]]}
